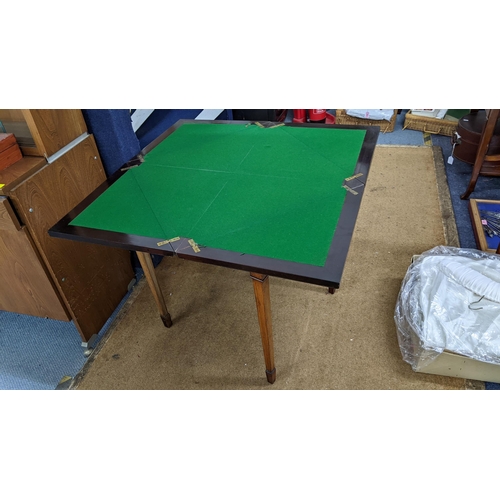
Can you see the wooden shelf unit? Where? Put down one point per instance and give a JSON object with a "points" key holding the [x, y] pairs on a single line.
{"points": [[45, 276], [43, 132]]}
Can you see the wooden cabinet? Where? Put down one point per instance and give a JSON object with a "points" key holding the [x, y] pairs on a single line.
{"points": [[26, 286], [45, 276], [43, 132]]}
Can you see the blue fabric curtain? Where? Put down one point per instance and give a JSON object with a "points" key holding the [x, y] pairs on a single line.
{"points": [[160, 120], [115, 138]]}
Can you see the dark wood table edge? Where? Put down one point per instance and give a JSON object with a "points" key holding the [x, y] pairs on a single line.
{"points": [[181, 122], [328, 275]]}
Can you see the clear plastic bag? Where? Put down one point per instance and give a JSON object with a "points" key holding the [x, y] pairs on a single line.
{"points": [[371, 114], [450, 300]]}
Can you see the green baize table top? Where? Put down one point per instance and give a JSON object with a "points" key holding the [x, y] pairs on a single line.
{"points": [[273, 192]]}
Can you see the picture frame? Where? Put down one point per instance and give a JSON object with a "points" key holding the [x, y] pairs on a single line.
{"points": [[485, 242]]}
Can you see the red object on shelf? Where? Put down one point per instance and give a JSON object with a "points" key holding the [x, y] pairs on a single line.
{"points": [[315, 116], [330, 119], [299, 116]]}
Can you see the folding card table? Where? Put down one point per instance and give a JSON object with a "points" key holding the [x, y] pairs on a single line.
{"points": [[271, 199]]}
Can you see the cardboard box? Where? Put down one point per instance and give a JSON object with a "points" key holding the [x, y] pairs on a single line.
{"points": [[455, 365], [451, 364], [9, 150]]}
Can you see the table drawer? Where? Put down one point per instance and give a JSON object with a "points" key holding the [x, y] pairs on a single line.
{"points": [[8, 218]]}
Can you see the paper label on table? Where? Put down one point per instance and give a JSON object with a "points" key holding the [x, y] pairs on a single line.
{"points": [[2, 185], [266, 124], [194, 246], [166, 242], [354, 177], [345, 186]]}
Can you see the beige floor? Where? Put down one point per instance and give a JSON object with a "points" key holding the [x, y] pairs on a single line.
{"points": [[345, 341]]}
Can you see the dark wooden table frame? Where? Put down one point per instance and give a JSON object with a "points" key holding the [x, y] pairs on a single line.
{"points": [[260, 268]]}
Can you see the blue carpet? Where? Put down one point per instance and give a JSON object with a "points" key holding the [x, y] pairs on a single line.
{"points": [[401, 137], [36, 353], [458, 174]]}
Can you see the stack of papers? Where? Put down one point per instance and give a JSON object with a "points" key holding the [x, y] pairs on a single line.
{"points": [[430, 113]]}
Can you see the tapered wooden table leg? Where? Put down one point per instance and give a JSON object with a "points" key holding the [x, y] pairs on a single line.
{"points": [[263, 301], [149, 272]]}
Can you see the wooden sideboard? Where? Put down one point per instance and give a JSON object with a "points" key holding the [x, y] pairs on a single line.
{"points": [[44, 276]]}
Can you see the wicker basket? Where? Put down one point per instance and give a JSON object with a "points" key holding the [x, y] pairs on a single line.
{"points": [[429, 125], [342, 118]]}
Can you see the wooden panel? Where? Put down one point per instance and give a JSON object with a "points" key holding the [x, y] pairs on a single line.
{"points": [[11, 115], [91, 278], [52, 129], [29, 150], [25, 286], [11, 176], [8, 219]]}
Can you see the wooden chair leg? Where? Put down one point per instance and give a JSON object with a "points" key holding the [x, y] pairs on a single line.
{"points": [[149, 272], [484, 142], [263, 301]]}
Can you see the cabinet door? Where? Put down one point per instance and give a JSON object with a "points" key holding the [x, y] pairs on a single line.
{"points": [[25, 286], [92, 279]]}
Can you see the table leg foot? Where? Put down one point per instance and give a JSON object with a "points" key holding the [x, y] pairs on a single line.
{"points": [[271, 376], [167, 320], [149, 273], [331, 290]]}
